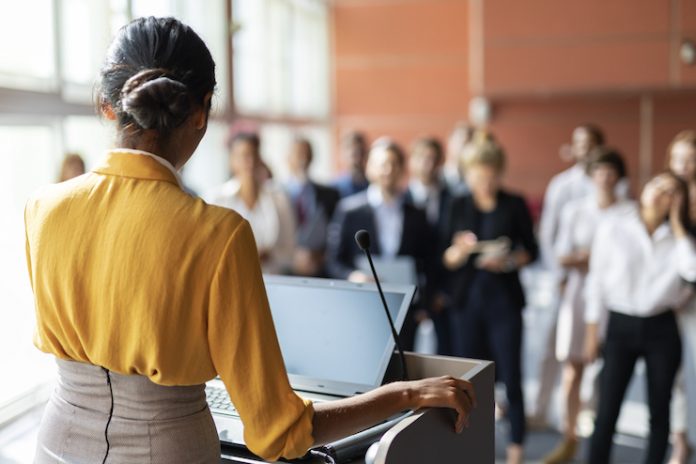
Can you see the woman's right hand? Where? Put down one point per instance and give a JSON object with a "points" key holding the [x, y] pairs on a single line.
{"points": [[444, 392], [463, 243]]}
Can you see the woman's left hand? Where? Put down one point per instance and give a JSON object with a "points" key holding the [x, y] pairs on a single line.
{"points": [[497, 264]]}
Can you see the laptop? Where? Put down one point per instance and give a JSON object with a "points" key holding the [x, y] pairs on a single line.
{"points": [[348, 352], [396, 270]]}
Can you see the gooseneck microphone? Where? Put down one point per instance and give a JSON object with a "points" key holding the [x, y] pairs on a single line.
{"points": [[362, 238]]}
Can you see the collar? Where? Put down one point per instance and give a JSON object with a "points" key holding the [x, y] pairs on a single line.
{"points": [[138, 164], [375, 199]]}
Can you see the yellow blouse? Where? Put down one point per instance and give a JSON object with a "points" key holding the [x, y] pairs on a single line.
{"points": [[131, 273]]}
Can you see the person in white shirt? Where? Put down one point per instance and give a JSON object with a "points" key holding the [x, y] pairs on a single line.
{"points": [[569, 185], [681, 161], [579, 220], [642, 266], [266, 207]]}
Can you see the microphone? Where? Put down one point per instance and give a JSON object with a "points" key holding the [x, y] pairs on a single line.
{"points": [[362, 238]]}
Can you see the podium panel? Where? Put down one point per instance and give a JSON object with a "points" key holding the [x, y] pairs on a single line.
{"points": [[428, 435]]}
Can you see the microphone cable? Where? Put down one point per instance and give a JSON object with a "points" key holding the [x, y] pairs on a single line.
{"points": [[323, 454], [111, 412]]}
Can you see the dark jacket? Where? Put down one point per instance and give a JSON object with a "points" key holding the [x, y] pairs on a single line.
{"points": [[511, 219], [355, 213]]}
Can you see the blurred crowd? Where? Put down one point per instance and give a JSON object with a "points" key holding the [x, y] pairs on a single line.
{"points": [[441, 217]]}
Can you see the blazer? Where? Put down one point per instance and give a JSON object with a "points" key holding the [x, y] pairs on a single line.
{"points": [[131, 273], [355, 213], [511, 219]]}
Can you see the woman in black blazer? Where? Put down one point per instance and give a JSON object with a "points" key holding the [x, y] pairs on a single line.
{"points": [[491, 238]]}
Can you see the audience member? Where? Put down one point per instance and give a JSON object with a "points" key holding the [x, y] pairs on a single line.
{"points": [[354, 153], [681, 160], [491, 238], [428, 191], [72, 166], [460, 136], [314, 206], [640, 265], [397, 228], [571, 184], [579, 220], [267, 209]]}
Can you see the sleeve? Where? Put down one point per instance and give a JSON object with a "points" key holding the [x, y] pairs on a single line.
{"points": [[339, 256], [600, 257], [548, 225], [246, 354], [686, 259], [525, 229], [564, 241]]}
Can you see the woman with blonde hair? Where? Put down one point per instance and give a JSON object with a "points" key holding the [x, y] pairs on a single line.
{"points": [[491, 238]]}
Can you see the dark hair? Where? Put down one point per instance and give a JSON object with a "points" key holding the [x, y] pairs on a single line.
{"points": [[611, 158], [155, 71], [251, 138], [433, 144], [357, 138], [299, 140], [595, 132]]}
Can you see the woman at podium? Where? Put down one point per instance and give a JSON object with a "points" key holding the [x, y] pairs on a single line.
{"points": [[143, 293]]}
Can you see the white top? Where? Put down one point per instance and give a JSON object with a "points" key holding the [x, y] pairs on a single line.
{"points": [[579, 221], [159, 159], [569, 185], [389, 221], [271, 219], [427, 198], [637, 274]]}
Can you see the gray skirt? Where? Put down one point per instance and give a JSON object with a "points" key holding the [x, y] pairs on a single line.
{"points": [[150, 423]]}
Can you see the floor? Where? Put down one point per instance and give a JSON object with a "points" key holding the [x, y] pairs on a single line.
{"points": [[17, 441]]}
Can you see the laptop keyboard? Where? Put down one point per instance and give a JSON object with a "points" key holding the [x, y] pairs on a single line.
{"points": [[219, 401]]}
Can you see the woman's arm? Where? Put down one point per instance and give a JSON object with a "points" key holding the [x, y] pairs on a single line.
{"points": [[341, 418]]}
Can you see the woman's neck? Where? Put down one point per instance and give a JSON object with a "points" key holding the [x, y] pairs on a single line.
{"points": [[249, 190], [485, 201], [150, 144], [606, 198]]}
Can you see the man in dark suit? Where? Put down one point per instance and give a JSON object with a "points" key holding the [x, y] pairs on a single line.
{"points": [[428, 191], [397, 228], [314, 206]]}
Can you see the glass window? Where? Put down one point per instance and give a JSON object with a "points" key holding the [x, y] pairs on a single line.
{"points": [[27, 56], [30, 160], [281, 57]]}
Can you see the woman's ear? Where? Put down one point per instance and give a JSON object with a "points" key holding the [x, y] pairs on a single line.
{"points": [[201, 115], [107, 111]]}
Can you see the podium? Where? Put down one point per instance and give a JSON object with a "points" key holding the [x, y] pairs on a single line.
{"points": [[428, 435]]}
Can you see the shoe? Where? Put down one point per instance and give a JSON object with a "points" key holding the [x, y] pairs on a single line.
{"points": [[564, 452]]}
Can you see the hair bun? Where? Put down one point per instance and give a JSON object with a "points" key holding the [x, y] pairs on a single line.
{"points": [[156, 101]]}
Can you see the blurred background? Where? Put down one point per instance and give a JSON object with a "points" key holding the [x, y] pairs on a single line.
{"points": [[529, 70]]}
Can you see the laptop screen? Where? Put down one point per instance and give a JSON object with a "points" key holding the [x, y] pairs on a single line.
{"points": [[334, 335]]}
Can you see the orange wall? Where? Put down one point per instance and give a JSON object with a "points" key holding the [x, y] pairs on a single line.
{"points": [[409, 67]]}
